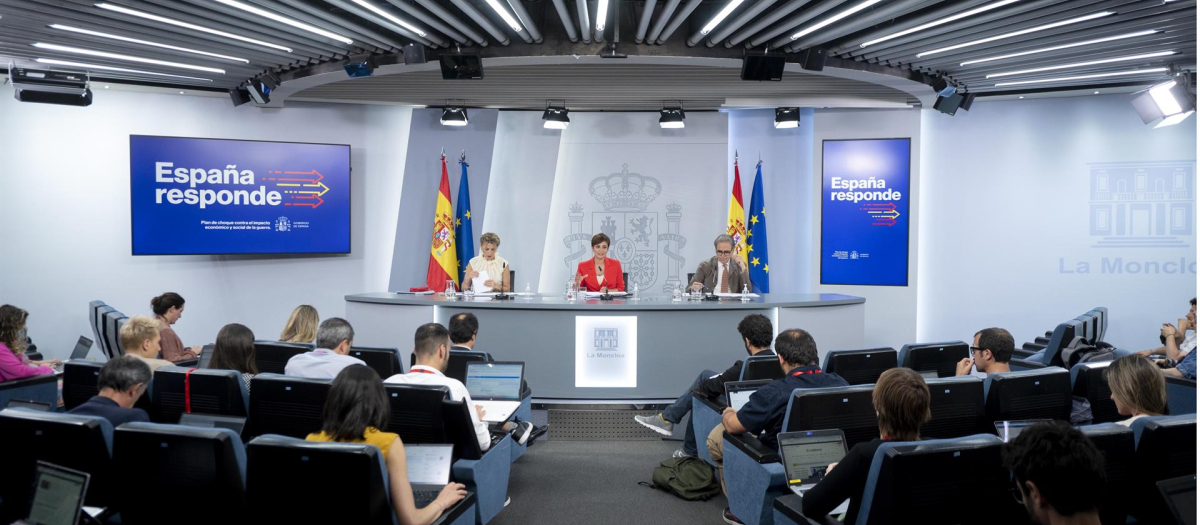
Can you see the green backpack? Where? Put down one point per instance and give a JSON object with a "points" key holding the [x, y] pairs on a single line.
{"points": [[690, 478]]}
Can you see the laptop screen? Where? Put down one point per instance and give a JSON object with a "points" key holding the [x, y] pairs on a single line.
{"points": [[233, 423], [1009, 430], [428, 464], [738, 398], [206, 355], [928, 374], [494, 380], [57, 496], [1181, 498], [738, 392], [82, 347], [807, 454]]}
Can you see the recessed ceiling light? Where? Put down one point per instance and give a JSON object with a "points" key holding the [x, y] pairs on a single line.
{"points": [[1022, 96], [105, 54], [179, 23], [1095, 92], [143, 42], [1082, 64], [1084, 77], [68, 63], [182, 92], [1060, 23], [106, 86], [1064, 46]]}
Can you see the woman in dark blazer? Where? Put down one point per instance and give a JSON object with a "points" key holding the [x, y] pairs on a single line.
{"points": [[600, 273]]}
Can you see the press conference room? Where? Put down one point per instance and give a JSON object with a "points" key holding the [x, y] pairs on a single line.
{"points": [[501, 262]]}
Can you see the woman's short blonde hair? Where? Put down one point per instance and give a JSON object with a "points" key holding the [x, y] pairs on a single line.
{"points": [[301, 327], [1138, 384], [489, 238]]}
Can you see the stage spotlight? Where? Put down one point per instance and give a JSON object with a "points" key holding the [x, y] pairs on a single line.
{"points": [[454, 116], [259, 92], [555, 117], [271, 80], [239, 96], [787, 118], [671, 118], [1166, 104], [359, 66]]}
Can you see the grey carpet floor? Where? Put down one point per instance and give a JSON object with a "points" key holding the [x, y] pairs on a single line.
{"points": [[596, 482]]}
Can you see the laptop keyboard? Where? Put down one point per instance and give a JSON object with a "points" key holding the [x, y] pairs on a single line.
{"points": [[424, 497]]}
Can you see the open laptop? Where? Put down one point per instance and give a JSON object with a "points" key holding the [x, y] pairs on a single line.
{"points": [[206, 355], [1008, 430], [233, 423], [428, 471], [807, 454], [928, 374], [82, 347], [1180, 494], [496, 387], [57, 496], [30, 404], [738, 392]]}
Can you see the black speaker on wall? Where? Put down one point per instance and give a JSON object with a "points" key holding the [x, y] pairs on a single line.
{"points": [[763, 67], [968, 99], [461, 67], [414, 54], [813, 59], [948, 105]]}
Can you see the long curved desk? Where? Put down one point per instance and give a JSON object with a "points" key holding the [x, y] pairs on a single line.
{"points": [[581, 350]]}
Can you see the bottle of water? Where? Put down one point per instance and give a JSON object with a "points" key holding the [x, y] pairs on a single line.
{"points": [[745, 293], [528, 294], [635, 292], [676, 293], [570, 289]]}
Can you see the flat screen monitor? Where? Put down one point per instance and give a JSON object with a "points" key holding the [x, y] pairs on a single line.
{"points": [[200, 196]]}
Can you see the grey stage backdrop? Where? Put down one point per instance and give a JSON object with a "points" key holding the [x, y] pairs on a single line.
{"points": [[661, 195]]}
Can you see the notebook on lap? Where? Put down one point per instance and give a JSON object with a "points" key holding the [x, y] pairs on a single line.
{"points": [[738, 392], [807, 454], [57, 496], [496, 387], [428, 471]]}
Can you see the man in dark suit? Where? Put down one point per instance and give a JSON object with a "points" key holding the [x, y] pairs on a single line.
{"points": [[724, 272], [122, 381]]}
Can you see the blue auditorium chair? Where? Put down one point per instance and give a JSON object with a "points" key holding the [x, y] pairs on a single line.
{"points": [[43, 389], [82, 443], [113, 321], [1181, 396], [186, 474], [1165, 448], [754, 477], [457, 367], [706, 415], [941, 357], [271, 357], [1030, 394], [1116, 443], [1088, 381], [287, 405], [281, 467], [212, 391], [1059, 339], [956, 408], [761, 367], [845, 408], [79, 379], [860, 367], [385, 361], [938, 481]]}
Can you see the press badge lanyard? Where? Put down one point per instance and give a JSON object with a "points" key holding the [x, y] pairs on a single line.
{"points": [[799, 373]]}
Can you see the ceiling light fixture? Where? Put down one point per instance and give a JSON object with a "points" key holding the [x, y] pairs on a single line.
{"points": [[712, 24], [939, 22], [144, 42], [1083, 77], [179, 23], [671, 118], [834, 18], [601, 15], [391, 18], [454, 116], [1064, 46], [68, 63], [1060, 23], [508, 18], [116, 56], [1083, 64], [285, 20], [555, 117], [786, 118]]}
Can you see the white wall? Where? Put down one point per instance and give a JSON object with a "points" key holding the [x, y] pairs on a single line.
{"points": [[1008, 196], [65, 211], [891, 311]]}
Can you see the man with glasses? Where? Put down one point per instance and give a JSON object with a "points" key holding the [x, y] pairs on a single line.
{"points": [[723, 273], [122, 381], [991, 351], [1058, 474]]}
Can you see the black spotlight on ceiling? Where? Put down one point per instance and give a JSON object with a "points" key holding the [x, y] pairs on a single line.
{"points": [[1166, 103], [359, 66], [64, 88], [943, 87], [948, 104], [671, 118], [454, 116], [260, 93], [786, 118], [271, 80], [239, 96], [555, 117]]}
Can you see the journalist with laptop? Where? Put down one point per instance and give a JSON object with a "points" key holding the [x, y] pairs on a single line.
{"points": [[807, 456]]}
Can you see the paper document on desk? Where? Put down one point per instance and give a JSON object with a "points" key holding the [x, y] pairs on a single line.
{"points": [[477, 283], [739, 294], [598, 294]]}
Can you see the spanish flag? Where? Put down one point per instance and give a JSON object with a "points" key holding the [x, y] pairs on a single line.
{"points": [[737, 222], [443, 261]]}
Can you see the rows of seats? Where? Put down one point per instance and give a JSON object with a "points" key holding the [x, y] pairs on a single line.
{"points": [[145, 470]]}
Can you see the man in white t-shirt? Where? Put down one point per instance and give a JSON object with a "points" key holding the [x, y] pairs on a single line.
{"points": [[432, 348], [1183, 335]]}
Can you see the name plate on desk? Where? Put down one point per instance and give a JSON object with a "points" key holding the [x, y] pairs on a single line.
{"points": [[605, 351]]}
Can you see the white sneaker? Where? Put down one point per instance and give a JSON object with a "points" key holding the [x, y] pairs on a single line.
{"points": [[507, 500], [656, 423]]}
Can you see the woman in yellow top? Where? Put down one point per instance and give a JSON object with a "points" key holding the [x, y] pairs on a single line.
{"points": [[354, 411], [488, 261]]}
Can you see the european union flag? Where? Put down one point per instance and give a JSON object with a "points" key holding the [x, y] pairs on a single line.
{"points": [[463, 236], [756, 238]]}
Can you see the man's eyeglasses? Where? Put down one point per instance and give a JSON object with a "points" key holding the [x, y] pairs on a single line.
{"points": [[977, 349], [1016, 491], [724, 252]]}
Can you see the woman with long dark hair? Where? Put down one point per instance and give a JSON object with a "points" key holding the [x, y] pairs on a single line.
{"points": [[235, 351], [168, 308], [355, 410]]}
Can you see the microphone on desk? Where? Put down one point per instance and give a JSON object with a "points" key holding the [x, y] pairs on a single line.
{"points": [[503, 296], [708, 296]]}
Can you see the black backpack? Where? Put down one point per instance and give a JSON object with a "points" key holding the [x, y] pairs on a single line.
{"points": [[1081, 351]]}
